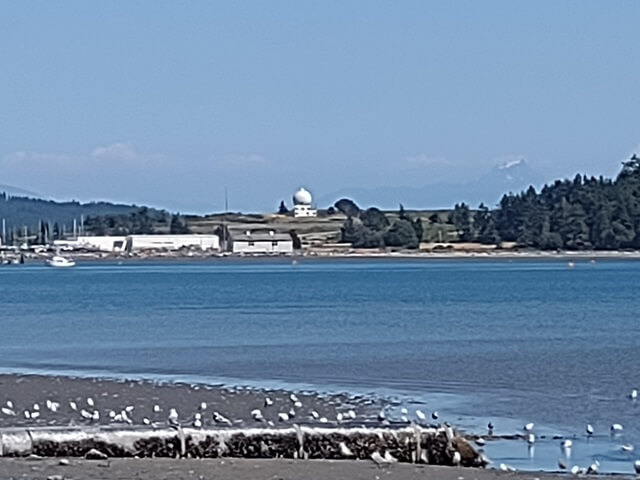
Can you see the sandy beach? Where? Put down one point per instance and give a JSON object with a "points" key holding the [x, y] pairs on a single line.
{"points": [[340, 255], [49, 402], [39, 400], [241, 469]]}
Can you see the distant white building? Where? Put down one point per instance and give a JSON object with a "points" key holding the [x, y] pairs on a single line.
{"points": [[302, 201], [102, 243], [141, 242], [172, 242], [262, 243]]}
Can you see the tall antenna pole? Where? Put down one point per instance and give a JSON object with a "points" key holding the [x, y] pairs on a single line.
{"points": [[224, 218], [4, 231]]}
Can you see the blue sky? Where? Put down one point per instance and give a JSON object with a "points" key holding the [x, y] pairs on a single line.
{"points": [[168, 102]]}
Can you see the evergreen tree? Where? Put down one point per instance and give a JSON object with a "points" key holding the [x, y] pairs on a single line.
{"points": [[462, 219], [178, 225], [374, 219], [401, 234], [348, 207]]}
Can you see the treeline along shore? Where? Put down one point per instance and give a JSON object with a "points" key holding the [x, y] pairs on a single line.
{"points": [[585, 213], [579, 214]]}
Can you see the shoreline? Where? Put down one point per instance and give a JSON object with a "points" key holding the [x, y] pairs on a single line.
{"points": [[203, 257], [249, 469], [138, 404]]}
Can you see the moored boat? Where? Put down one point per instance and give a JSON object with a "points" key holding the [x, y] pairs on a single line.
{"points": [[59, 261]]}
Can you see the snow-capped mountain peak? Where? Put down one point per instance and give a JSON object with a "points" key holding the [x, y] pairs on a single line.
{"points": [[511, 164]]}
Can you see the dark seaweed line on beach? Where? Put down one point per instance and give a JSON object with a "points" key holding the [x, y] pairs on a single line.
{"points": [[436, 446]]}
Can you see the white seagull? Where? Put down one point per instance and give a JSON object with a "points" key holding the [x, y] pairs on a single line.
{"points": [[173, 416], [219, 418], [283, 417], [421, 416], [616, 427], [257, 415], [268, 402], [528, 427], [589, 429], [197, 421], [379, 459], [566, 447], [389, 458], [345, 451], [7, 411], [636, 466]]}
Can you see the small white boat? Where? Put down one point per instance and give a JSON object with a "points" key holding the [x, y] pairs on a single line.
{"points": [[60, 262]]}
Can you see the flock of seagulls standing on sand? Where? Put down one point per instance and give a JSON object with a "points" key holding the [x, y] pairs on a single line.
{"points": [[289, 409], [273, 411], [86, 411]]}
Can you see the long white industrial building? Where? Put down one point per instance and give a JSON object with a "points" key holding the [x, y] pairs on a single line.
{"points": [[142, 242]]}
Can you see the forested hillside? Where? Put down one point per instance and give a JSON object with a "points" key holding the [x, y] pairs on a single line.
{"points": [[19, 212], [580, 214]]}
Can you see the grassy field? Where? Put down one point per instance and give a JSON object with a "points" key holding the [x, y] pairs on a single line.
{"points": [[319, 231]]}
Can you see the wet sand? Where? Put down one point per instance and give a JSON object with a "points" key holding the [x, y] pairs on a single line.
{"points": [[38, 401], [242, 469]]}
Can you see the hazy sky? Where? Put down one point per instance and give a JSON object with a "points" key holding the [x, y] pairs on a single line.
{"points": [[168, 102]]}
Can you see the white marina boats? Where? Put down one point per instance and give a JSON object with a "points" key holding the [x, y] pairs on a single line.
{"points": [[59, 261]]}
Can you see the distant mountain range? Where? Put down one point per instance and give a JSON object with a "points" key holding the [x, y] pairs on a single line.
{"points": [[19, 208], [513, 176]]}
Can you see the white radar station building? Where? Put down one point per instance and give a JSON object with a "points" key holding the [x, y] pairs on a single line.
{"points": [[302, 204]]}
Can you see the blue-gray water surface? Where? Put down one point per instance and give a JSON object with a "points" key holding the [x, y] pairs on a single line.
{"points": [[510, 341]]}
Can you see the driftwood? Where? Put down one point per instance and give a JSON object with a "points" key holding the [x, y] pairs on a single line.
{"points": [[441, 446]]}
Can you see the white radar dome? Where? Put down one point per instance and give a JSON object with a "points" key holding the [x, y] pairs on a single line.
{"points": [[302, 197]]}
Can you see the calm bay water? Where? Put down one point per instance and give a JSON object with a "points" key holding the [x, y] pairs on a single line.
{"points": [[507, 341]]}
